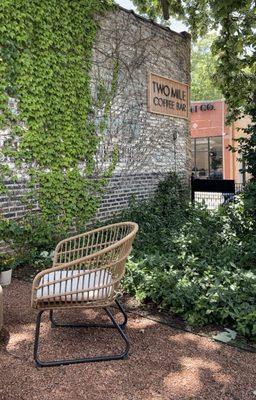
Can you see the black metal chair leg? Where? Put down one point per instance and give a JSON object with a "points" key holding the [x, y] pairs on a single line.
{"points": [[115, 325], [120, 306], [124, 355], [53, 324], [37, 334], [122, 309]]}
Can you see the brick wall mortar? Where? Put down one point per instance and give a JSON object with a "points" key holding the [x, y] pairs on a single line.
{"points": [[147, 149]]}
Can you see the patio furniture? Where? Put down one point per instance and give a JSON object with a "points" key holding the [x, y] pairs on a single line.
{"points": [[86, 273]]}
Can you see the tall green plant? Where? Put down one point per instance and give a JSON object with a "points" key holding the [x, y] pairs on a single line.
{"points": [[203, 69], [195, 262], [45, 62]]}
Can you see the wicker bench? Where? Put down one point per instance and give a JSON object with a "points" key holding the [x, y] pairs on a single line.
{"points": [[86, 273]]}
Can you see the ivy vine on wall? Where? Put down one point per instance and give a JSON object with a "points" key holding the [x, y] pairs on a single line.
{"points": [[45, 62]]}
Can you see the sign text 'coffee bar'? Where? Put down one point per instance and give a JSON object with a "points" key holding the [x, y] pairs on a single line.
{"points": [[167, 97]]}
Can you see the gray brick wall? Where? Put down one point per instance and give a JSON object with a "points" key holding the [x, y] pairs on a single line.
{"points": [[147, 149], [142, 47], [121, 190], [11, 203], [145, 141]]}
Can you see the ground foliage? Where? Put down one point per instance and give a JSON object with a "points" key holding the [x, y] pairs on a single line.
{"points": [[45, 62], [28, 237], [195, 262]]}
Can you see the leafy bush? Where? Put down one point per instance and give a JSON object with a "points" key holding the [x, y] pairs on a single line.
{"points": [[44, 259], [250, 197], [28, 237], [7, 261], [216, 295], [193, 261], [160, 216]]}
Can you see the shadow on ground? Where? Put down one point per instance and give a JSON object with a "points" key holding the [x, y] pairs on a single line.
{"points": [[163, 364]]}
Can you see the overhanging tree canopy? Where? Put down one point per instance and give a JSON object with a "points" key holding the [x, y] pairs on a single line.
{"points": [[203, 69], [234, 47]]}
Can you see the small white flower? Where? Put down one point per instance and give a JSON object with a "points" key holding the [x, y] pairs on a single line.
{"points": [[44, 254]]}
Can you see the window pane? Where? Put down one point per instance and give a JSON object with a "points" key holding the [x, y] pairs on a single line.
{"points": [[193, 156], [216, 167], [202, 159]]}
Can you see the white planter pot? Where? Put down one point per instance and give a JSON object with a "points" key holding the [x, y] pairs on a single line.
{"points": [[5, 277]]}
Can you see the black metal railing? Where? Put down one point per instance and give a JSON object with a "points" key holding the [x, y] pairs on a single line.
{"points": [[214, 193]]}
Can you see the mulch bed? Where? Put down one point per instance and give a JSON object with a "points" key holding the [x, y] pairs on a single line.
{"points": [[164, 363], [150, 311]]}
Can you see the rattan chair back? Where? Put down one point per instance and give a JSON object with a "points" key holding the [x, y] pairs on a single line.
{"points": [[87, 269]]}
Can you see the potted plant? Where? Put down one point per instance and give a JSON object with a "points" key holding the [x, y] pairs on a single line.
{"points": [[7, 263]]}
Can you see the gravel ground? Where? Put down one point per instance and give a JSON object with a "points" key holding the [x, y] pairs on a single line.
{"points": [[164, 363]]}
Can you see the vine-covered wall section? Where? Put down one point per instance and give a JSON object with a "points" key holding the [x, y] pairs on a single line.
{"points": [[45, 63], [74, 94]]}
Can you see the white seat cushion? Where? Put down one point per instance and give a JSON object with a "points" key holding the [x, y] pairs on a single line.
{"points": [[80, 283]]}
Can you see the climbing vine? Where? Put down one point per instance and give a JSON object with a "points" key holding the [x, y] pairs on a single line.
{"points": [[45, 63]]}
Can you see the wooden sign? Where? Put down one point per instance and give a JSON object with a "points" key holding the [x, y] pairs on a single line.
{"points": [[168, 97]]}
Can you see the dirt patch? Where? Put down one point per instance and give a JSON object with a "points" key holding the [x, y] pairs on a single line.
{"points": [[27, 273], [164, 363], [150, 311]]}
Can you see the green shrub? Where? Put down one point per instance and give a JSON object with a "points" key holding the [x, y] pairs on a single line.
{"points": [[195, 262], [160, 216], [7, 261], [28, 237]]}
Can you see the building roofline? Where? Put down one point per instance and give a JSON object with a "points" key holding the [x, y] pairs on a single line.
{"points": [[206, 101], [183, 34]]}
